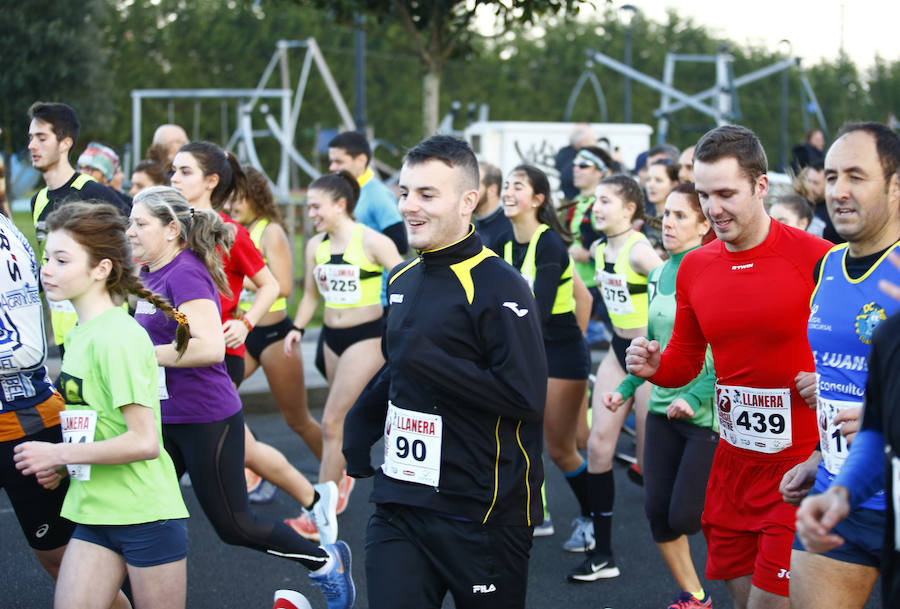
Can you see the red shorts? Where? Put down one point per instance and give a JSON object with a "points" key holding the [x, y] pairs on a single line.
{"points": [[748, 528]]}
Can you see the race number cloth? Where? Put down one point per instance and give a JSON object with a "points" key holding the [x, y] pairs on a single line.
{"points": [[754, 419], [78, 427], [339, 283], [412, 446]]}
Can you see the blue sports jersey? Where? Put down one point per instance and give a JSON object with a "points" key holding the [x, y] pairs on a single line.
{"points": [[844, 314]]}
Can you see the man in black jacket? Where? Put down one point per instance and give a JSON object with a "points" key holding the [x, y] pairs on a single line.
{"points": [[460, 403]]}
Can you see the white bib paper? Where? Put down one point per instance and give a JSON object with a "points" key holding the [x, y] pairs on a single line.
{"points": [[754, 419], [78, 427], [614, 288], [161, 384], [832, 442], [339, 283], [412, 446], [895, 499]]}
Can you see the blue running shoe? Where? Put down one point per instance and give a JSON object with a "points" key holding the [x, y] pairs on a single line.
{"points": [[337, 583], [264, 493]]}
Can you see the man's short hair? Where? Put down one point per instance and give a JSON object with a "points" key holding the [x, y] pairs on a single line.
{"points": [[353, 143], [61, 118], [672, 153], [887, 143], [491, 175], [733, 141], [451, 151]]}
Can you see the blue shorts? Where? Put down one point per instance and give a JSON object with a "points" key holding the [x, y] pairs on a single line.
{"points": [[863, 533], [141, 545]]}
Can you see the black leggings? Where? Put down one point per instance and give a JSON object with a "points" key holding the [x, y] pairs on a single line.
{"points": [[677, 458], [213, 454]]}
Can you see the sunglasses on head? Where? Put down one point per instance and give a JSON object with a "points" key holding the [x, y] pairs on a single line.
{"points": [[583, 165]]}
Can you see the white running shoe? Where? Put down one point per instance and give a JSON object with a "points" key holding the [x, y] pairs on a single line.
{"points": [[324, 512]]}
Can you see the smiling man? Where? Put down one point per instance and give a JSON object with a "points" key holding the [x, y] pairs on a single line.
{"points": [[460, 403], [747, 295]]}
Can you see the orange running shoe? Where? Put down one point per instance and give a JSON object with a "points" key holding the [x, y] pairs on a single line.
{"points": [[253, 479], [304, 526], [345, 487]]}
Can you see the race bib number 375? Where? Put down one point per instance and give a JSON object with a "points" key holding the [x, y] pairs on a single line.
{"points": [[412, 446], [754, 419]]}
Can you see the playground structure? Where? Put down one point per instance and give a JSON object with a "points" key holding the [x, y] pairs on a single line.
{"points": [[282, 129]]}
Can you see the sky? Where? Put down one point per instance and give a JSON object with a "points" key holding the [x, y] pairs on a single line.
{"points": [[814, 28]]}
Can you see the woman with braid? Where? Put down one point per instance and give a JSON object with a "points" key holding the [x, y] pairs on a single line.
{"points": [[111, 425], [203, 426]]}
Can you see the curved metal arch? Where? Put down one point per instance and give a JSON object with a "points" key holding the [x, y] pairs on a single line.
{"points": [[587, 75]]}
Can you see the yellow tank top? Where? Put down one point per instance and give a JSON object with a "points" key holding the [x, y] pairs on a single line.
{"points": [[624, 291], [565, 294], [350, 279], [247, 296]]}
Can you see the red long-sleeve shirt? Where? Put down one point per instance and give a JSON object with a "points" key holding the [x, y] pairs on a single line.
{"points": [[752, 307]]}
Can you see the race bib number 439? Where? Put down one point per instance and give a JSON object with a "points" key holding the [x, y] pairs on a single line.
{"points": [[412, 446], [754, 419], [78, 426]]}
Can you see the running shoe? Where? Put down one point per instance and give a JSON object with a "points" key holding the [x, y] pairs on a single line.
{"points": [[253, 479], [686, 600], [304, 525], [595, 566], [337, 582], [545, 529], [582, 539], [345, 487], [290, 599], [635, 475], [264, 492], [324, 514]]}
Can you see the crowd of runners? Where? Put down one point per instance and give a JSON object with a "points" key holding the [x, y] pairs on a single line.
{"points": [[750, 333]]}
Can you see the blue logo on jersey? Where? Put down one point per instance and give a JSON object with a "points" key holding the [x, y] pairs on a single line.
{"points": [[867, 320], [9, 335]]}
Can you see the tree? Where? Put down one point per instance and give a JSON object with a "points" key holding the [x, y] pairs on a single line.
{"points": [[442, 29]]}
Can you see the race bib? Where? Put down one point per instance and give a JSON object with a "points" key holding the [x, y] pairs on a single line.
{"points": [[412, 446], [247, 296], [339, 283], [754, 419], [78, 427], [161, 384], [614, 288], [61, 306], [833, 443]]}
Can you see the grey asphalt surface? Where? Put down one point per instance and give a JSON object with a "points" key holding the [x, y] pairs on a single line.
{"points": [[227, 577]]}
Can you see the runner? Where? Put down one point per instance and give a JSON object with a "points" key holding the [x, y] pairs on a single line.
{"points": [[681, 434], [460, 402], [540, 253], [863, 195], [111, 425], [747, 295], [257, 212], [622, 264], [30, 407], [344, 262], [203, 426]]}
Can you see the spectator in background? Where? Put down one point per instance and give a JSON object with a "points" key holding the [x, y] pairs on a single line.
{"points": [[810, 152], [686, 166], [147, 173], [645, 159], [792, 210], [167, 140], [581, 137], [101, 163], [811, 184], [491, 223]]}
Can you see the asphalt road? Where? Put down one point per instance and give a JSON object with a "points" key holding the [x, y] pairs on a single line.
{"points": [[226, 577]]}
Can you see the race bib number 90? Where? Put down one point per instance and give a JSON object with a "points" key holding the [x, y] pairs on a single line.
{"points": [[78, 426], [412, 446], [754, 419], [339, 283]]}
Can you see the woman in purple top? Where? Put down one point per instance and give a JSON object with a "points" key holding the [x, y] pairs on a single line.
{"points": [[203, 426]]}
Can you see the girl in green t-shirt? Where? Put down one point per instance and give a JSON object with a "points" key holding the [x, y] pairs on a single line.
{"points": [[124, 493]]}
